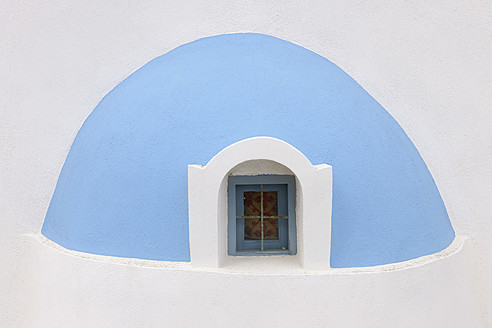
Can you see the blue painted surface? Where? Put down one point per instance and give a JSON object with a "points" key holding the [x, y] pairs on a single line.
{"points": [[123, 188]]}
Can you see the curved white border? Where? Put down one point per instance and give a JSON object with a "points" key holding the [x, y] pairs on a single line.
{"points": [[451, 250], [211, 181], [207, 189]]}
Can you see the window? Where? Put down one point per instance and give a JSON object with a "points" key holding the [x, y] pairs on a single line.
{"points": [[212, 197], [261, 215]]}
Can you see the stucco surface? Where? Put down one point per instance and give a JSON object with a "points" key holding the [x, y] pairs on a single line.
{"points": [[179, 297], [427, 63], [123, 188]]}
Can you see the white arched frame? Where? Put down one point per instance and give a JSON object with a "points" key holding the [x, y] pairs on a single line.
{"points": [[207, 189]]}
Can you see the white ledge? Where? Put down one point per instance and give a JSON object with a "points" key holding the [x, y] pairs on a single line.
{"points": [[278, 265]]}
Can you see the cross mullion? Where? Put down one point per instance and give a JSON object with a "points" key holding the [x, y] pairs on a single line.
{"points": [[261, 212], [259, 217]]}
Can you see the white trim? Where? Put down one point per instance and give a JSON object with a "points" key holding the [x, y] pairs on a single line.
{"points": [[207, 186], [243, 267]]}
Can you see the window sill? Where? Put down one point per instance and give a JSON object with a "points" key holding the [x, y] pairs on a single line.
{"points": [[264, 253]]}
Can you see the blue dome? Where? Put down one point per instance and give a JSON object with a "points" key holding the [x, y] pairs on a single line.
{"points": [[123, 188]]}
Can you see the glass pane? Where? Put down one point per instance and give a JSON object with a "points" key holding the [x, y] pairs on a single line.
{"points": [[252, 207]]}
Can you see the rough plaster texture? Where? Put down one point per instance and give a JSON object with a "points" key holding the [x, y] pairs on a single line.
{"points": [[427, 63], [123, 192]]}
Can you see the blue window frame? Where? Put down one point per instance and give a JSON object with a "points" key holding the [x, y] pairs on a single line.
{"points": [[261, 215]]}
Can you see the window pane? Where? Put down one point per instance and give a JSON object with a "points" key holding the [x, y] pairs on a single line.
{"points": [[252, 207]]}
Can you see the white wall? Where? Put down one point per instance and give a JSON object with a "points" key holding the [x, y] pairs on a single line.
{"points": [[427, 63], [78, 292]]}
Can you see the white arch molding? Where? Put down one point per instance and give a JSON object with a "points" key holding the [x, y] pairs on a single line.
{"points": [[207, 189]]}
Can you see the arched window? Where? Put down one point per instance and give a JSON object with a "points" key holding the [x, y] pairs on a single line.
{"points": [[213, 214]]}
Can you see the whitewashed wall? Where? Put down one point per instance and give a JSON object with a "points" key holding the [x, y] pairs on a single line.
{"points": [[427, 63]]}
